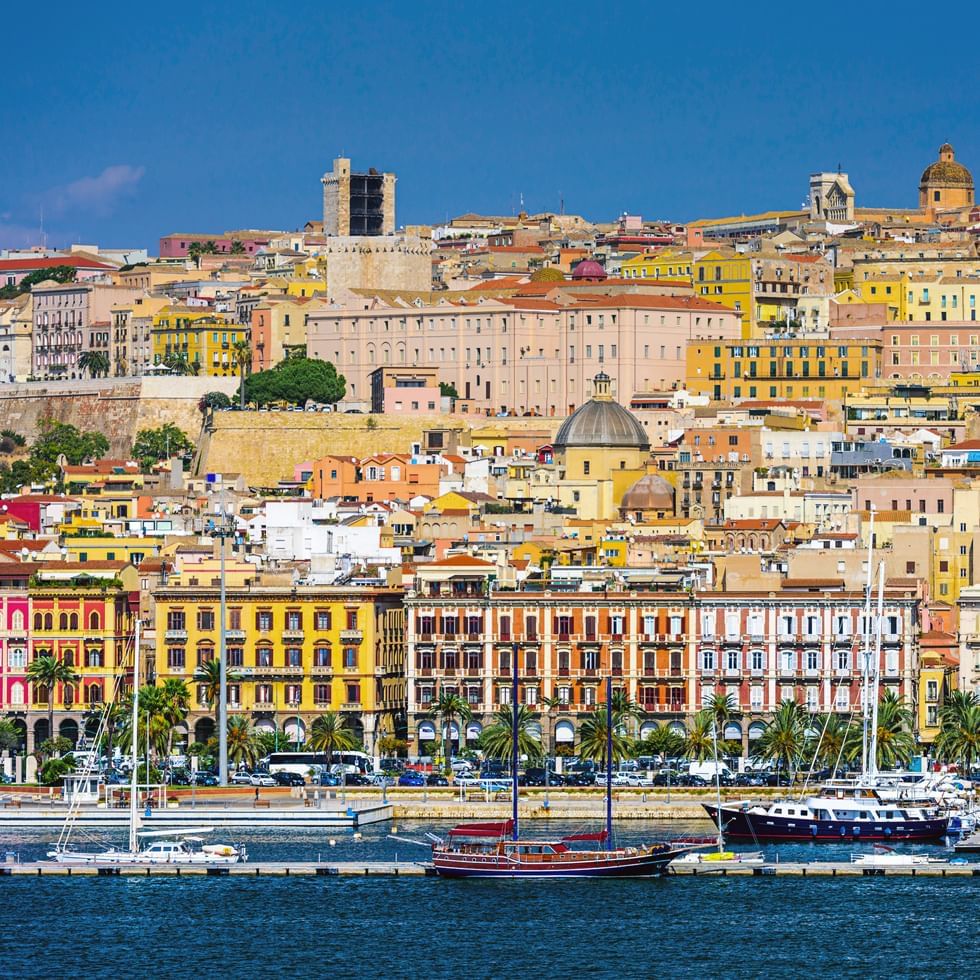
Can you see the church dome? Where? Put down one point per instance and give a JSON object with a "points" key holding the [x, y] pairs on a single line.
{"points": [[650, 492], [601, 423], [946, 170], [588, 269]]}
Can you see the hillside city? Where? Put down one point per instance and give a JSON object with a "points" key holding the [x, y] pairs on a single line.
{"points": [[370, 464]]}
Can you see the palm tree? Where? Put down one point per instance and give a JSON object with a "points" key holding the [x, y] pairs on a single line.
{"points": [[237, 248], [662, 741], [9, 735], [244, 743], [838, 741], [176, 704], [95, 362], [551, 707], [497, 739], [329, 733], [209, 675], [699, 743], [241, 356], [593, 737], [449, 706], [785, 736], [47, 672], [177, 363], [959, 738], [153, 711], [896, 743]]}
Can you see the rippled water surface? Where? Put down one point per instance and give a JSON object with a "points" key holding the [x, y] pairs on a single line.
{"points": [[387, 927]]}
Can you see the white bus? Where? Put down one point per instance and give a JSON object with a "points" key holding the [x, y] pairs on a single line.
{"points": [[304, 763]]}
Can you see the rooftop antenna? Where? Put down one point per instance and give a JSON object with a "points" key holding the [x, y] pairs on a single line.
{"points": [[561, 203], [43, 243]]}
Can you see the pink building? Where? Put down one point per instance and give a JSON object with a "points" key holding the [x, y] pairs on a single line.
{"points": [[929, 350], [521, 354], [929, 498], [12, 271], [177, 245], [14, 644]]}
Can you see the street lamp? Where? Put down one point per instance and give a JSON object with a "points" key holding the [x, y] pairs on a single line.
{"points": [[221, 527]]}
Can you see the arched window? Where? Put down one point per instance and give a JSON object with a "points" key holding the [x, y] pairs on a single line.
{"points": [[38, 621], [73, 621], [17, 620], [93, 694], [68, 658], [68, 695], [63, 621], [94, 621], [49, 621], [17, 694]]}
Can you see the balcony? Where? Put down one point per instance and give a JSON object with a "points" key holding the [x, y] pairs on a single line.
{"points": [[474, 638], [733, 671], [321, 671], [424, 638], [733, 638], [262, 705], [296, 635], [235, 635], [175, 635], [891, 638], [474, 671], [843, 639], [811, 638], [351, 636], [351, 668], [351, 706], [785, 637]]}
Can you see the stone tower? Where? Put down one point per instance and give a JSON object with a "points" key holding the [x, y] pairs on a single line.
{"points": [[356, 204]]}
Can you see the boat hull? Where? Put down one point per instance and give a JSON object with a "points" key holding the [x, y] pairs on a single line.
{"points": [[111, 858], [617, 865], [742, 824]]}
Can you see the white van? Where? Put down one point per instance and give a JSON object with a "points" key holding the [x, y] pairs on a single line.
{"points": [[709, 770]]}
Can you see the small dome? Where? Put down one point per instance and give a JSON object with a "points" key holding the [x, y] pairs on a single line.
{"points": [[650, 492], [589, 269], [601, 423], [946, 170]]}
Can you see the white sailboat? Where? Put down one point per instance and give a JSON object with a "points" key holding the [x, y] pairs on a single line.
{"points": [[183, 846]]}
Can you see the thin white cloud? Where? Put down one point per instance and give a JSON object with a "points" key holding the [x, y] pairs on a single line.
{"points": [[96, 195]]}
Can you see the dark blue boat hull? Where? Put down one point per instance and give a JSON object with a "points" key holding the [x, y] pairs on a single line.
{"points": [[740, 824]]}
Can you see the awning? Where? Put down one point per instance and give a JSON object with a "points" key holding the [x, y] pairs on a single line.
{"points": [[598, 837], [496, 829]]}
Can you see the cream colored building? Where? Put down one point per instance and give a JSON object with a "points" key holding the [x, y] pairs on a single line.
{"points": [[16, 317]]}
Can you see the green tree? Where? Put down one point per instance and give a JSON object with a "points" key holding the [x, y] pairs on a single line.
{"points": [[177, 363], [448, 707], [784, 738], [699, 744], [237, 248], [208, 675], [330, 733], [48, 672], [55, 439], [959, 735], [296, 380], [9, 735], [115, 721], [837, 741], [497, 739], [896, 743], [15, 437], [241, 356], [96, 362], [448, 390], [176, 704], [391, 747], [593, 737], [662, 741], [244, 744], [153, 445], [214, 399], [21, 473], [53, 771]]}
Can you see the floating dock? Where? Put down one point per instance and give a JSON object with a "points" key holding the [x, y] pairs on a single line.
{"points": [[396, 869]]}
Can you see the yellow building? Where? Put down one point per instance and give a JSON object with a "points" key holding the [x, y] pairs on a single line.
{"points": [[670, 263], [295, 652], [888, 289], [938, 678], [94, 546], [728, 370], [204, 338]]}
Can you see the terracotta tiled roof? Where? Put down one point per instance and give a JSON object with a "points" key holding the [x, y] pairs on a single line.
{"points": [[460, 561], [54, 262]]}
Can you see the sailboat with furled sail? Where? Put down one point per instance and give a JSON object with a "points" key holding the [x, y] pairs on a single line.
{"points": [[161, 846], [496, 849]]}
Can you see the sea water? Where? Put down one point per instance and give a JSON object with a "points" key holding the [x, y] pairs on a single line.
{"points": [[416, 926]]}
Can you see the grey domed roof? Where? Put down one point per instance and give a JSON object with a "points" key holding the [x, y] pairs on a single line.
{"points": [[601, 422], [650, 492]]}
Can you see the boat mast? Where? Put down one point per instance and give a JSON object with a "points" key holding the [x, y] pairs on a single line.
{"points": [[866, 632], [133, 783], [714, 737], [514, 752], [876, 675], [609, 748]]}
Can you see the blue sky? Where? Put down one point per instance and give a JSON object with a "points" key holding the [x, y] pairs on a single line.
{"points": [[128, 121]]}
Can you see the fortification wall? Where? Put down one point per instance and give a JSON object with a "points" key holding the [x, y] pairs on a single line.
{"points": [[117, 407]]}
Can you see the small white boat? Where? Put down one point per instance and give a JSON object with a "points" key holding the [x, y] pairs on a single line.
{"points": [[183, 847], [723, 857], [885, 857]]}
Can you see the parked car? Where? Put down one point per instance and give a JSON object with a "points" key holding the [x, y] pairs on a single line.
{"points": [[356, 779], [288, 779], [436, 779], [625, 779], [383, 779], [116, 778], [411, 778], [534, 776], [580, 778], [327, 779], [242, 778], [668, 777], [204, 778], [262, 779]]}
